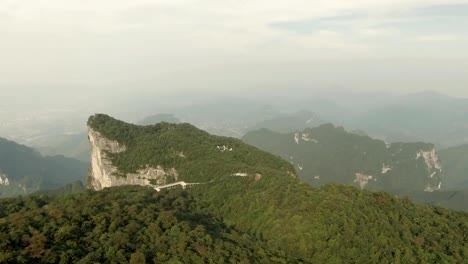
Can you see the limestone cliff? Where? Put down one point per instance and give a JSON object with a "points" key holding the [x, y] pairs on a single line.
{"points": [[104, 174]]}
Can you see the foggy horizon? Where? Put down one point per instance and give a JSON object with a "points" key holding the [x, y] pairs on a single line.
{"points": [[88, 50]]}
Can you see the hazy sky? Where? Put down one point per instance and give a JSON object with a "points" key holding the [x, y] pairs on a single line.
{"points": [[130, 46]]}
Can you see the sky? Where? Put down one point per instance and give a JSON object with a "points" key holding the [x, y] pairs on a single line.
{"points": [[51, 49]]}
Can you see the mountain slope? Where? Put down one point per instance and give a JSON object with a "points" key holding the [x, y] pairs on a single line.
{"points": [[24, 171], [329, 154], [455, 162], [119, 225], [163, 153], [258, 193]]}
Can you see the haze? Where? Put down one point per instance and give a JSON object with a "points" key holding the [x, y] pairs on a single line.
{"points": [[92, 50]]}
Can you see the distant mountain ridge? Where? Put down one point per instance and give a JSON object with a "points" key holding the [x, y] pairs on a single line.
{"points": [[329, 154], [158, 118], [24, 171], [285, 123]]}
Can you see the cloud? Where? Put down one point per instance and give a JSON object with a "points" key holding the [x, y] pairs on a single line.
{"points": [[113, 41], [438, 37]]}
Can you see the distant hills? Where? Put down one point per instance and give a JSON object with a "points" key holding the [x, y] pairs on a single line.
{"points": [[69, 145], [285, 123], [24, 171], [329, 154], [158, 118], [423, 116]]}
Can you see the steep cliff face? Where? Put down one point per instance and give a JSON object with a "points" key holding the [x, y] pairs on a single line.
{"points": [[160, 154], [104, 174]]}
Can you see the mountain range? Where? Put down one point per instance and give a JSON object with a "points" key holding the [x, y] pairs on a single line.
{"points": [[24, 171], [329, 154], [243, 205]]}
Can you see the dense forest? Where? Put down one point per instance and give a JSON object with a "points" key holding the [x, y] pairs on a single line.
{"points": [[234, 221], [122, 225]]}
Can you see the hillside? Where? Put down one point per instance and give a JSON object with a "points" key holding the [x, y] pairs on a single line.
{"points": [[257, 193], [329, 154], [24, 171], [229, 222], [124, 153], [455, 162], [122, 225]]}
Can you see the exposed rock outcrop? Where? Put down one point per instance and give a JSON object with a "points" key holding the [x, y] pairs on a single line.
{"points": [[104, 174]]}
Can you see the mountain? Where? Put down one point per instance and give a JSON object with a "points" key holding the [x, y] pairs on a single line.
{"points": [[123, 153], [250, 191], [154, 119], [24, 171], [285, 123], [455, 160], [225, 116], [455, 200], [69, 145], [329, 154]]}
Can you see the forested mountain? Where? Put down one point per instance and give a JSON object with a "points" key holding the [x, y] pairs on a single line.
{"points": [[158, 118], [24, 171], [285, 123], [181, 150], [455, 161], [329, 154], [257, 193]]}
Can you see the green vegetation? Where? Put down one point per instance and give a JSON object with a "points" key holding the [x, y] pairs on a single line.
{"points": [[197, 156], [28, 171], [455, 161], [122, 225], [329, 154], [333, 224], [234, 221]]}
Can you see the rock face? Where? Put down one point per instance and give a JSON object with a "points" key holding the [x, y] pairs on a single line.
{"points": [[104, 174], [4, 180]]}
